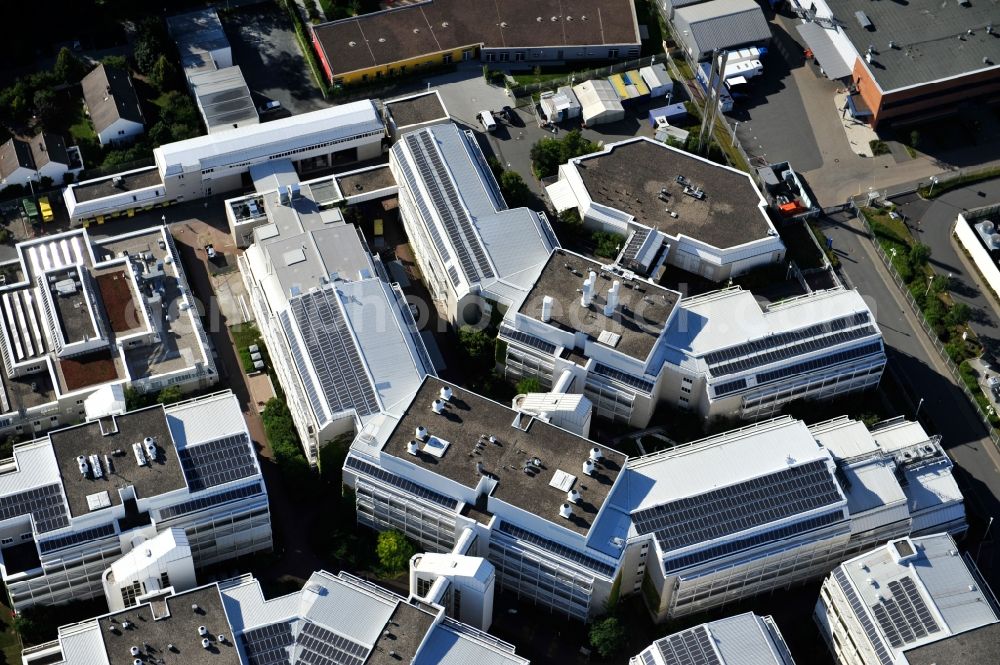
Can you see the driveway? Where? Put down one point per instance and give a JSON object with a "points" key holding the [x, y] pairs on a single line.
{"points": [[265, 49]]}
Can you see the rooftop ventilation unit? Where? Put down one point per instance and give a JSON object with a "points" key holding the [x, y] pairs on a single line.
{"points": [[126, 625], [81, 462], [140, 457], [612, 303], [863, 20], [446, 393], [566, 511], [195, 608], [421, 433], [595, 454], [222, 639], [547, 308], [203, 631], [206, 643], [573, 496], [588, 467], [413, 447], [134, 651], [437, 406], [95, 464]]}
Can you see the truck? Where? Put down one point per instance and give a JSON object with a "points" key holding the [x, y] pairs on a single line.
{"points": [[702, 74]]}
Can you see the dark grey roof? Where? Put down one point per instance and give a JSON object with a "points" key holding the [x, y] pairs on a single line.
{"points": [[927, 38], [223, 97], [416, 110], [404, 634], [469, 417], [642, 312], [109, 95], [14, 154], [629, 178], [980, 645], [129, 182], [104, 438], [174, 621], [720, 24]]}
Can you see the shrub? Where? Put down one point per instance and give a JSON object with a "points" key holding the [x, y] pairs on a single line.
{"points": [[394, 551], [529, 385], [515, 190], [878, 147], [169, 395], [150, 42], [607, 636], [477, 347], [68, 67], [164, 74], [548, 153], [958, 315], [607, 245]]}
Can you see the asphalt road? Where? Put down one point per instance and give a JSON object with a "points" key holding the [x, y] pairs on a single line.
{"points": [[918, 368]]}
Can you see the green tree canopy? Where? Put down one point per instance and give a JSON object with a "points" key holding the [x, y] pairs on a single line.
{"points": [[394, 551], [68, 67], [477, 347], [607, 636], [529, 385], [515, 190], [164, 74], [548, 153], [150, 42], [169, 395]]}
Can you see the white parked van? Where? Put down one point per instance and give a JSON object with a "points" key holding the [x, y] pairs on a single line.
{"points": [[487, 121]]}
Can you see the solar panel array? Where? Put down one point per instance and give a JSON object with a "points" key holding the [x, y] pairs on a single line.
{"points": [[622, 377], [206, 501], [817, 363], [218, 462], [268, 645], [904, 618], [557, 549], [730, 387], [302, 365], [726, 355], [634, 245], [402, 483], [411, 180], [87, 535], [335, 358], [782, 353], [859, 611], [689, 647], [319, 646], [739, 507], [45, 504], [525, 338]]}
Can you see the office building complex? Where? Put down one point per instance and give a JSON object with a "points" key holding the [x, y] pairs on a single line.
{"points": [[332, 619], [744, 639], [910, 602], [77, 315], [78, 499], [470, 247], [563, 521], [218, 163], [341, 338], [628, 344], [672, 207]]}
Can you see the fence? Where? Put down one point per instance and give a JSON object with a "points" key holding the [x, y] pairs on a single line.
{"points": [[574, 77], [918, 313]]}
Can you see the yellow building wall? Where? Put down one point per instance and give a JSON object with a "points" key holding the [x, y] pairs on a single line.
{"points": [[397, 68]]}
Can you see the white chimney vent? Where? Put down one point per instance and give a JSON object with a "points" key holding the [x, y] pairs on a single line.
{"points": [[82, 462], [222, 639], [421, 433], [588, 467], [137, 661], [125, 624], [573, 496], [134, 651], [203, 631], [595, 454], [446, 393], [547, 308], [566, 511], [437, 406], [206, 643], [150, 446], [413, 447], [612, 304], [587, 294]]}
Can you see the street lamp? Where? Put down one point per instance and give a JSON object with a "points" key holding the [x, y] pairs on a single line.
{"points": [[985, 534], [934, 181], [930, 280], [163, 218], [919, 404]]}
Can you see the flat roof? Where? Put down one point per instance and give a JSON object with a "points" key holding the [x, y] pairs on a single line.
{"points": [[365, 180], [173, 621], [643, 312], [73, 309], [980, 645], [119, 300], [630, 175], [224, 98], [468, 416], [404, 633], [105, 437], [424, 28], [130, 182], [417, 109], [927, 38]]}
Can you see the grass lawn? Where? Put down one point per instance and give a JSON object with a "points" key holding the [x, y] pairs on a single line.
{"points": [[82, 129], [544, 77], [244, 335]]}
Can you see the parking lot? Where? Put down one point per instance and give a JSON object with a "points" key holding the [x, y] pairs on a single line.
{"points": [[265, 48]]}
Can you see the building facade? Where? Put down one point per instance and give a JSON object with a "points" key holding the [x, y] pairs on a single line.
{"points": [[905, 595], [83, 496]]}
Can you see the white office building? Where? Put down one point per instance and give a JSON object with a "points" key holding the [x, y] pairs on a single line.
{"points": [[341, 338], [332, 619], [78, 499], [672, 207], [913, 601], [471, 249], [78, 315], [628, 344], [463, 585], [153, 566], [563, 521], [744, 639], [217, 163]]}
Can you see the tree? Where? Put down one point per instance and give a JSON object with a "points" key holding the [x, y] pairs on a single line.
{"points": [[914, 139], [920, 254], [169, 395], [607, 245], [68, 67], [150, 42], [607, 636], [477, 347], [118, 61], [529, 385], [46, 107], [163, 74], [545, 157], [958, 315], [394, 551], [515, 190]]}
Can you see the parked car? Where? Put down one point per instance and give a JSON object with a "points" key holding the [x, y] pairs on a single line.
{"points": [[272, 105], [487, 121]]}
